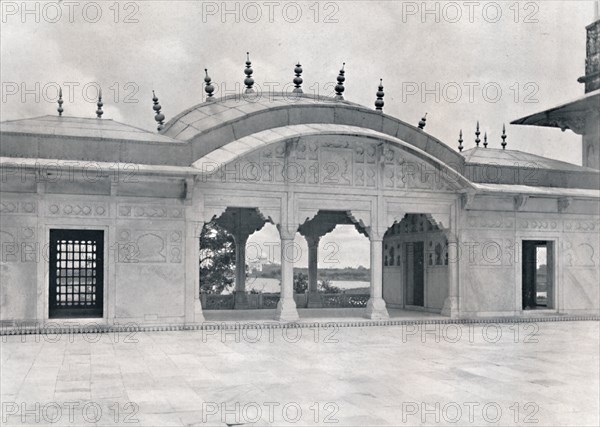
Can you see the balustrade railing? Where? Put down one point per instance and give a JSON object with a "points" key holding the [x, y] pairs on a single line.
{"points": [[258, 301]]}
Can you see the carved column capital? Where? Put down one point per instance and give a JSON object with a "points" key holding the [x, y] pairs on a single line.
{"points": [[376, 233], [287, 232], [312, 240]]}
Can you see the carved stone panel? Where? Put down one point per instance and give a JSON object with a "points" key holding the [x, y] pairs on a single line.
{"points": [[149, 246]]}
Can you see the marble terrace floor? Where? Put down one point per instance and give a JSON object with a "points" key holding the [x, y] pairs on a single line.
{"points": [[541, 374]]}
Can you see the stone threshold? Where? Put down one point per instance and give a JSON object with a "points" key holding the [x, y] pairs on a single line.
{"points": [[272, 324]]}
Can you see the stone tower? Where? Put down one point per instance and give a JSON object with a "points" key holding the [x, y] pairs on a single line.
{"points": [[591, 131]]}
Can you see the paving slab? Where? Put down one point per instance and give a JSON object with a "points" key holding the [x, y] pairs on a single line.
{"points": [[370, 375]]}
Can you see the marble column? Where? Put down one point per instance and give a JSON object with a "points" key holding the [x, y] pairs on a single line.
{"points": [[376, 308], [286, 308], [194, 222], [451, 307], [241, 298], [193, 312], [314, 301]]}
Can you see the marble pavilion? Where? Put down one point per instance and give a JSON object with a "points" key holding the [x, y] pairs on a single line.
{"points": [[100, 220]]}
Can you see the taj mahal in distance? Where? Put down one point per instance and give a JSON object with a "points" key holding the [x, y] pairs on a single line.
{"points": [[451, 231]]}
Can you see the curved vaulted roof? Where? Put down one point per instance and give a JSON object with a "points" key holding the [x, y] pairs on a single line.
{"points": [[210, 125]]}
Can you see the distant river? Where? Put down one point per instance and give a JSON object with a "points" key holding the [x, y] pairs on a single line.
{"points": [[272, 285]]}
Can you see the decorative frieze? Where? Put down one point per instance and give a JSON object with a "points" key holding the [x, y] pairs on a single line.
{"points": [[77, 209], [582, 226], [18, 207], [539, 224], [487, 221], [150, 211]]}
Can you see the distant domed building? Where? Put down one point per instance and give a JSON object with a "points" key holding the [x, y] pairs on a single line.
{"points": [[100, 220]]}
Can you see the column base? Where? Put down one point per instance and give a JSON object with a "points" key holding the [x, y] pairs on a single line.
{"points": [[240, 301], [198, 315], [450, 308], [314, 300], [376, 309], [286, 311]]}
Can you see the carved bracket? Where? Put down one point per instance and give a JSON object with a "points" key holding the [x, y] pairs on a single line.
{"points": [[394, 217], [306, 215], [441, 220], [564, 203], [467, 200], [520, 201], [189, 189], [362, 218]]}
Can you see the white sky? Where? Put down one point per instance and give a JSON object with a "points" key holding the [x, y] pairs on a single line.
{"points": [[171, 43]]}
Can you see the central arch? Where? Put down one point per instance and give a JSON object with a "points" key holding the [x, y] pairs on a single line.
{"points": [[293, 174]]}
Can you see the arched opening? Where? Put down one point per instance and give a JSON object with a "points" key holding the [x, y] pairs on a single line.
{"points": [[336, 251], [415, 264], [223, 266]]}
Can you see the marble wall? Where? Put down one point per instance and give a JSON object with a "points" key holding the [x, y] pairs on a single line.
{"points": [[490, 262], [20, 255], [144, 248]]}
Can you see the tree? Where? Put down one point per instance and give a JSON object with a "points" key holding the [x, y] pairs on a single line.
{"points": [[300, 283], [328, 288], [217, 259]]}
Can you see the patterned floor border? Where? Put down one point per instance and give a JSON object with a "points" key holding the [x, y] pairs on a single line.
{"points": [[263, 324]]}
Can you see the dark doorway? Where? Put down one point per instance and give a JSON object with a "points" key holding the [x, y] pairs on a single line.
{"points": [[76, 273], [538, 274], [415, 274]]}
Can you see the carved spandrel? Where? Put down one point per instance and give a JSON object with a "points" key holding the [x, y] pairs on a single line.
{"points": [[335, 162]]}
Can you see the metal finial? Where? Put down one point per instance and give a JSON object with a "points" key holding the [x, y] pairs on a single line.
{"points": [[423, 122], [477, 133], [298, 79], [339, 87], [503, 137], [208, 87], [460, 141], [60, 102], [248, 81], [99, 111], [485, 143], [379, 101], [159, 117]]}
